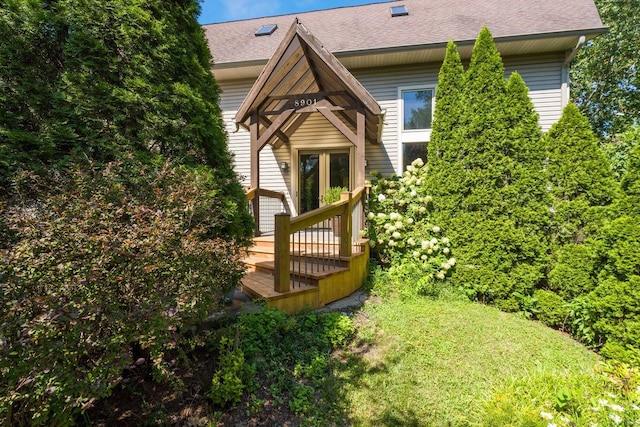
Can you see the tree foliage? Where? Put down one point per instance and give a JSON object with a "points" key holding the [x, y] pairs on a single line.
{"points": [[105, 77], [487, 177], [583, 190], [605, 77], [108, 265], [121, 219], [618, 148], [580, 177]]}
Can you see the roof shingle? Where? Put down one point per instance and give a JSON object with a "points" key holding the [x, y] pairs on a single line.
{"points": [[371, 27]]}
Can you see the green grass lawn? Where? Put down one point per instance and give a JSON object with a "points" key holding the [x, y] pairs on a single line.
{"points": [[438, 363]]}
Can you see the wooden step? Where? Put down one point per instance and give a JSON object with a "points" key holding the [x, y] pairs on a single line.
{"points": [[307, 268], [260, 285]]}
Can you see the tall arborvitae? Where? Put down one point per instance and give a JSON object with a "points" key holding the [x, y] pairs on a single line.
{"points": [[614, 318], [583, 190], [441, 150], [106, 77], [492, 197], [581, 180]]}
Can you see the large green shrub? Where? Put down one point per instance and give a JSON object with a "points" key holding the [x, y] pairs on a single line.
{"points": [[580, 178], [105, 77], [491, 195], [107, 265], [614, 303], [584, 191], [446, 116], [608, 314]]}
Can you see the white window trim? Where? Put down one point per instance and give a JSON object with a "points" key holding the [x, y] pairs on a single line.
{"points": [[415, 135]]}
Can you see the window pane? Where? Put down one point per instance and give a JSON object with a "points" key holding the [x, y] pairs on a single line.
{"points": [[417, 109], [309, 182], [339, 170], [410, 152]]}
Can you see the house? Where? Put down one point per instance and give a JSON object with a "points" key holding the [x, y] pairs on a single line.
{"points": [[321, 99]]}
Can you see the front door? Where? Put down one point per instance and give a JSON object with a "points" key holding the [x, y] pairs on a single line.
{"points": [[318, 170]]}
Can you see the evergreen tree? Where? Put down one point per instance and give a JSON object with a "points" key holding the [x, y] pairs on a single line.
{"points": [[447, 111], [581, 180], [583, 190], [105, 77], [443, 172], [613, 304], [493, 194]]}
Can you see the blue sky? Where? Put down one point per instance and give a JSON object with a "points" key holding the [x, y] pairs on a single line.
{"points": [[232, 10]]}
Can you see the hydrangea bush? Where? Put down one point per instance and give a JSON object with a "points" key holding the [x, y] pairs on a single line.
{"points": [[403, 237]]}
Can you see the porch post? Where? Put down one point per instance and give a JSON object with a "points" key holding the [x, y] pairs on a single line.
{"points": [[360, 173], [255, 169], [346, 224], [282, 253]]}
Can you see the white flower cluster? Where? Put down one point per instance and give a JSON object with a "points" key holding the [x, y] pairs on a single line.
{"points": [[609, 412], [398, 205]]}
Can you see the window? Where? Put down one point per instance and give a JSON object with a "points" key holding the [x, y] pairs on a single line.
{"points": [[417, 109], [266, 30], [399, 11], [412, 151], [416, 114]]}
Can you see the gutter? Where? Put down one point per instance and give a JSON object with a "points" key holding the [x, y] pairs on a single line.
{"points": [[565, 91], [574, 52]]}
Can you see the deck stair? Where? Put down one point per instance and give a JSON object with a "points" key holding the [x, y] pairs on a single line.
{"points": [[309, 260], [309, 273]]}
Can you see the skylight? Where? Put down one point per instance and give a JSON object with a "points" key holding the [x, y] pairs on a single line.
{"points": [[399, 11], [266, 30]]}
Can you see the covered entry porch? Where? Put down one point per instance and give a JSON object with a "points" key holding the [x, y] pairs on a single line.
{"points": [[308, 252]]}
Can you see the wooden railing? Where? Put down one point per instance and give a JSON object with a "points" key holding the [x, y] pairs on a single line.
{"points": [[264, 205], [323, 253]]}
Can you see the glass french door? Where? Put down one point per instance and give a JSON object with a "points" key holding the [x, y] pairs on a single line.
{"points": [[318, 170]]}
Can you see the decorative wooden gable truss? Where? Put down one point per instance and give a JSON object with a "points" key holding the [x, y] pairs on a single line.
{"points": [[301, 78]]}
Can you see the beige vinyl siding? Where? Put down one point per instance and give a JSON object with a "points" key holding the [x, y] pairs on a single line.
{"points": [[233, 93], [542, 74]]}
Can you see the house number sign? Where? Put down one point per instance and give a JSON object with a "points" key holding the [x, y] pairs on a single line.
{"points": [[304, 102]]}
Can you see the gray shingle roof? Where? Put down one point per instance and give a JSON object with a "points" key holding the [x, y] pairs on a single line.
{"points": [[361, 28]]}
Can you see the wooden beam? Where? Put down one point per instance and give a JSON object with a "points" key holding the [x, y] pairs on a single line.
{"points": [[346, 225], [255, 150], [267, 123], [360, 147], [275, 126], [296, 123], [255, 168], [267, 79], [340, 72], [339, 124]]}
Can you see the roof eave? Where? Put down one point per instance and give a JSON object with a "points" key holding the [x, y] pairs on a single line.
{"points": [[587, 32]]}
